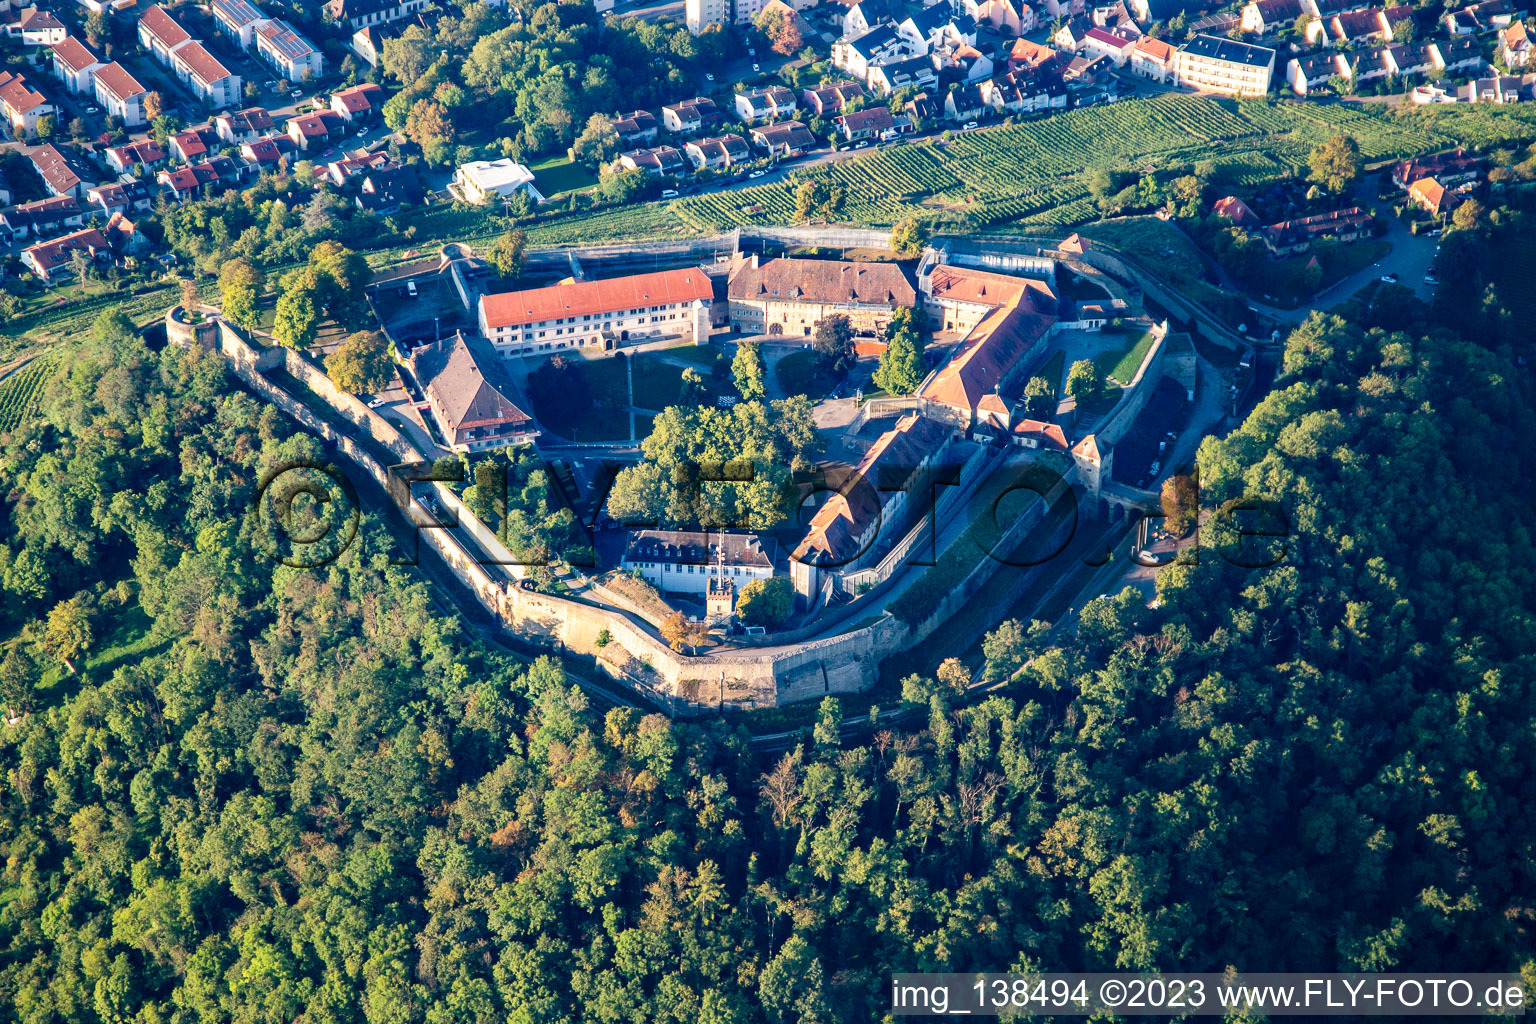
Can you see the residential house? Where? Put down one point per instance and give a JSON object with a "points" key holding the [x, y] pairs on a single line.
{"points": [[865, 124], [1224, 67], [965, 63], [765, 104], [1236, 211], [76, 66], [1476, 19], [792, 296], [912, 72], [699, 15], [268, 151], [124, 236], [1311, 71], [658, 160], [1024, 53], [1498, 89], [22, 105], [683, 561], [288, 52], [356, 14], [1025, 91], [386, 190], [51, 261], [209, 80], [125, 197], [37, 27], [238, 20], [470, 395], [192, 145], [368, 44], [600, 315], [784, 139], [865, 16], [1413, 59], [120, 94], [965, 103], [1028, 433], [188, 183], [936, 27], [1459, 54], [689, 116], [317, 129], [719, 153], [41, 218], [243, 126], [1262, 17], [1430, 195], [637, 129], [1449, 168], [1070, 36], [339, 172], [358, 104], [146, 152], [826, 100], [1006, 18], [484, 181], [923, 109], [63, 173], [1152, 58], [161, 34], [1099, 42], [1349, 28], [877, 46], [1515, 45], [1293, 236]]}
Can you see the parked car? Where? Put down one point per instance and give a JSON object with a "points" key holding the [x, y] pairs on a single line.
{"points": [[757, 174], [757, 67], [861, 145], [969, 125], [296, 93], [669, 193], [709, 77]]}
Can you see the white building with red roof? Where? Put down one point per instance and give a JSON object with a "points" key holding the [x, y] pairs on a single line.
{"points": [[123, 159], [316, 130], [51, 261], [359, 102], [22, 105], [161, 34], [208, 79], [600, 315], [268, 151], [120, 94], [37, 27], [76, 66]]}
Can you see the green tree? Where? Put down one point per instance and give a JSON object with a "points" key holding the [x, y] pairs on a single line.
{"points": [[296, 320], [47, 127], [240, 286], [1084, 382], [1039, 398], [908, 238], [901, 367], [833, 343], [1336, 164], [510, 254], [68, 630], [361, 364], [18, 679], [1181, 504], [749, 373], [766, 602], [598, 142]]}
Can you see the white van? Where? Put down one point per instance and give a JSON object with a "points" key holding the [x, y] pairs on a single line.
{"points": [[670, 193]]}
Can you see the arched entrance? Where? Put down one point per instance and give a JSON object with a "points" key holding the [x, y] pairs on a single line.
{"points": [[774, 329]]}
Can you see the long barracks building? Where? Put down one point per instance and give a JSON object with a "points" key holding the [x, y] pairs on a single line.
{"points": [[603, 315]]}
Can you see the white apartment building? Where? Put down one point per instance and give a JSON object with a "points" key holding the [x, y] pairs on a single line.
{"points": [[1225, 67], [599, 315]]}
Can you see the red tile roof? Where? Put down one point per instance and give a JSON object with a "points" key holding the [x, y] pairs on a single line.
{"points": [[320, 122], [72, 53], [827, 281], [359, 97], [146, 151], [987, 356], [54, 253], [117, 81], [17, 95], [157, 21], [202, 63], [889, 464], [963, 284], [1048, 435], [510, 309]]}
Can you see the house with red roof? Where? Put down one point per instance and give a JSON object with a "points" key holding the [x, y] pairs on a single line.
{"points": [[268, 150], [243, 126], [148, 152], [359, 103], [22, 105], [120, 94], [76, 66], [317, 129], [209, 80], [37, 27], [192, 145], [51, 261], [161, 34], [1101, 42], [1235, 210]]}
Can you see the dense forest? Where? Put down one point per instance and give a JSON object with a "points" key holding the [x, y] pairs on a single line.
{"points": [[305, 794]]}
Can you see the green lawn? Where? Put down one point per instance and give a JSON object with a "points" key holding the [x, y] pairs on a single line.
{"points": [[1120, 365], [798, 374], [588, 400], [557, 175], [659, 383], [1052, 370], [121, 634]]}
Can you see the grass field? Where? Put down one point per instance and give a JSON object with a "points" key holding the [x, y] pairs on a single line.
{"points": [[586, 401], [797, 374], [659, 383], [557, 175], [1052, 370], [1120, 364]]}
